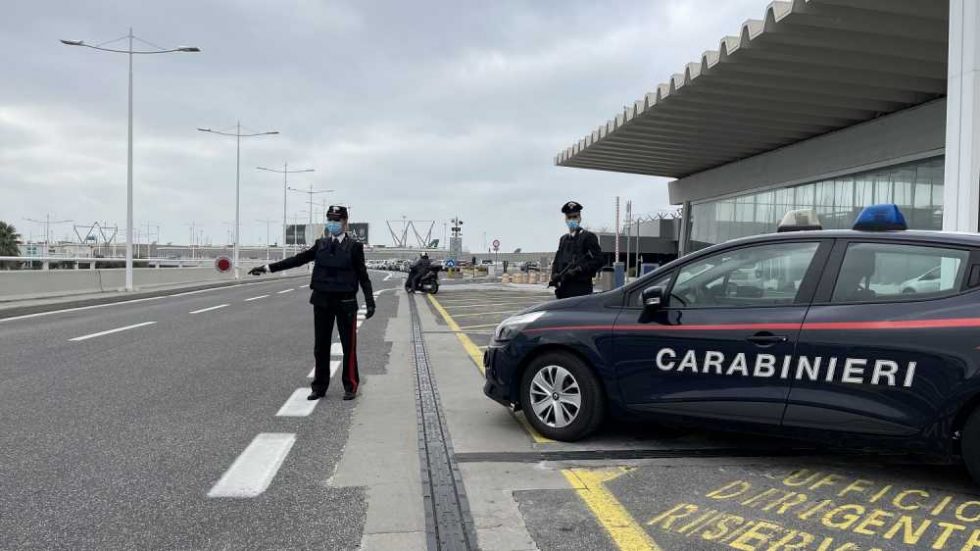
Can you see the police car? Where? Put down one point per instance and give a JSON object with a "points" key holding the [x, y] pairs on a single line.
{"points": [[813, 334]]}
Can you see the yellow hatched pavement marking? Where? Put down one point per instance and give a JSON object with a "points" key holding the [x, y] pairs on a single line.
{"points": [[476, 355], [625, 532]]}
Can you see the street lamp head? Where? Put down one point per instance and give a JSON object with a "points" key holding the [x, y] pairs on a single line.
{"points": [[204, 129], [188, 49], [271, 133], [73, 42]]}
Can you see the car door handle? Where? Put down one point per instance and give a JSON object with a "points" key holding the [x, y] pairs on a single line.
{"points": [[767, 339]]}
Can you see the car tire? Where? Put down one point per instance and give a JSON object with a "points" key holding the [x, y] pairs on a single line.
{"points": [[970, 445], [561, 419]]}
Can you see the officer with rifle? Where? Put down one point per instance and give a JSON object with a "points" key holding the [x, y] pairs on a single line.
{"points": [[578, 258], [338, 270]]}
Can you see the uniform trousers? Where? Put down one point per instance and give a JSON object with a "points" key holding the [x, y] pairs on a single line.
{"points": [[342, 310]]}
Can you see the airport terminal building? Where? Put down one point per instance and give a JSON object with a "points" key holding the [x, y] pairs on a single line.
{"points": [[824, 104]]}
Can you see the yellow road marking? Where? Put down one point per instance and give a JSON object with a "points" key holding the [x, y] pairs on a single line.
{"points": [[485, 313], [475, 353], [627, 534], [471, 349], [482, 326]]}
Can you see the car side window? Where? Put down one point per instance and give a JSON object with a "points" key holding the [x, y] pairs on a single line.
{"points": [[880, 272], [761, 275]]}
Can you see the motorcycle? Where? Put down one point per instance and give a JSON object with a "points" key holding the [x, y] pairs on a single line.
{"points": [[429, 281]]}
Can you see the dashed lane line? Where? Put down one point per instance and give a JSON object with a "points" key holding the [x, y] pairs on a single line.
{"points": [[202, 310], [256, 298], [475, 353], [625, 532], [334, 366], [254, 469], [297, 405], [290, 290], [110, 331]]}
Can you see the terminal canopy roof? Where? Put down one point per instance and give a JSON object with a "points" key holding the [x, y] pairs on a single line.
{"points": [[810, 67]]}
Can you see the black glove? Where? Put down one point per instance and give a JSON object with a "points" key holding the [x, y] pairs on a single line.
{"points": [[258, 270], [370, 312], [554, 280]]}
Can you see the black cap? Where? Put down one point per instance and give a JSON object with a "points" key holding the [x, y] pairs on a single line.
{"points": [[571, 207], [337, 212]]}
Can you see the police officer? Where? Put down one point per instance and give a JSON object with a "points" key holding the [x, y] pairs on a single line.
{"points": [[337, 270], [578, 258], [419, 269]]}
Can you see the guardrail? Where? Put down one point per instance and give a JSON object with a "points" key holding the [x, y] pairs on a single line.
{"points": [[32, 284], [91, 262]]}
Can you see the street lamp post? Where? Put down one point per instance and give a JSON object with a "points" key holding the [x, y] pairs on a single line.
{"points": [[285, 185], [238, 165], [311, 192], [129, 153]]}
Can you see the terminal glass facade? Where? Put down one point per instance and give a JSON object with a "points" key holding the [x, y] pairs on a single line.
{"points": [[917, 188]]}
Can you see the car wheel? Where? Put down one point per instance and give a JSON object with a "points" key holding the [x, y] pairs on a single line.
{"points": [[561, 397], [970, 448]]}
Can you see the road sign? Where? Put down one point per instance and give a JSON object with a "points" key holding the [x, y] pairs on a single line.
{"points": [[222, 264], [496, 245], [450, 263]]}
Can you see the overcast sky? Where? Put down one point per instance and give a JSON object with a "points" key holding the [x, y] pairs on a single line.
{"points": [[422, 109]]}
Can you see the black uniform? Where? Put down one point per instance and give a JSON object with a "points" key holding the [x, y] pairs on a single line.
{"points": [[576, 263], [337, 270], [419, 269]]}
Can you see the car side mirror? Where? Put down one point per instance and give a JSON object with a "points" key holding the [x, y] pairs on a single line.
{"points": [[653, 298]]}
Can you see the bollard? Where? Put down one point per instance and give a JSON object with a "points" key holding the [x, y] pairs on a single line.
{"points": [[532, 277], [505, 278]]}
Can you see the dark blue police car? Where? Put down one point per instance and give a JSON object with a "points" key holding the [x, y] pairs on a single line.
{"points": [[814, 334]]}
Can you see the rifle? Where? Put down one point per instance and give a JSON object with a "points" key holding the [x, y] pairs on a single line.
{"points": [[557, 279]]}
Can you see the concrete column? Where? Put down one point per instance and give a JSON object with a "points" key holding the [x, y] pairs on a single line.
{"points": [[684, 239], [961, 195]]}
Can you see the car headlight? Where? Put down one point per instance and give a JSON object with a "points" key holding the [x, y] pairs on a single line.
{"points": [[511, 326]]}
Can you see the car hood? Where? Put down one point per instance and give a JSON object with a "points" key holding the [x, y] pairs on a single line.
{"points": [[563, 304]]}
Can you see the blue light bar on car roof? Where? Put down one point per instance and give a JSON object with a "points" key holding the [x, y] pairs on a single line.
{"points": [[880, 218]]}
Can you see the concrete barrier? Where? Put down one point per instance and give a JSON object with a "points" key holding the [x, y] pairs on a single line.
{"points": [[32, 284]]}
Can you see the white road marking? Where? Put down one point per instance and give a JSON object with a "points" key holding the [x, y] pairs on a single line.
{"points": [[202, 310], [285, 291], [110, 331], [336, 349], [255, 298], [254, 469], [52, 312], [334, 366], [360, 323], [297, 405], [302, 286], [387, 277]]}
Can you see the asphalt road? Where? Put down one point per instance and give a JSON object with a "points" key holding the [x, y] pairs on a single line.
{"points": [[114, 441]]}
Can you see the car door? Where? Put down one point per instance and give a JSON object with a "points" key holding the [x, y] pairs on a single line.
{"points": [[883, 357], [717, 348]]}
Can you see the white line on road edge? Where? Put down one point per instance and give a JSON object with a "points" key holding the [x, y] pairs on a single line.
{"points": [[52, 312], [290, 290], [297, 405], [334, 366], [254, 469], [208, 309], [116, 330], [255, 298]]}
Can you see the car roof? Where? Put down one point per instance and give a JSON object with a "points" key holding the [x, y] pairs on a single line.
{"points": [[925, 236]]}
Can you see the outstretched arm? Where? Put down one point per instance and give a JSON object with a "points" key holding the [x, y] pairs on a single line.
{"points": [[360, 268], [292, 262]]}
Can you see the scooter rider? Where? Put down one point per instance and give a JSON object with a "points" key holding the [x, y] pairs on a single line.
{"points": [[419, 269], [338, 269], [578, 258]]}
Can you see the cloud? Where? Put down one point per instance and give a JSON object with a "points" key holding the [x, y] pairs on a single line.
{"points": [[428, 110]]}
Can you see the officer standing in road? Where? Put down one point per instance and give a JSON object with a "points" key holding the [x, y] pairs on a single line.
{"points": [[337, 270], [578, 258]]}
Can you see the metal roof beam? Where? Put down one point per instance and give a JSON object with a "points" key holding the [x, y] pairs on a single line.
{"points": [[869, 22]]}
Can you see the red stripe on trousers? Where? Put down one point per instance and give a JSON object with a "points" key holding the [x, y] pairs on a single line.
{"points": [[351, 376]]}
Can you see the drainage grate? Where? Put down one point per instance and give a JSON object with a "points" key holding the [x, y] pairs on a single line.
{"points": [[448, 523]]}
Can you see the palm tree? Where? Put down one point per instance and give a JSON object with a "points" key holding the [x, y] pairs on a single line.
{"points": [[8, 241]]}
